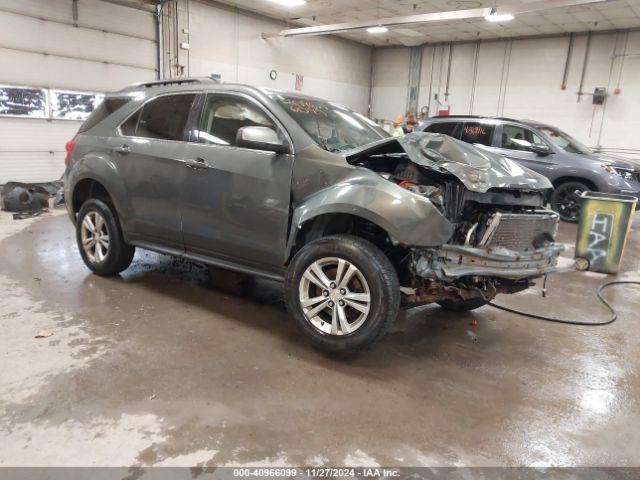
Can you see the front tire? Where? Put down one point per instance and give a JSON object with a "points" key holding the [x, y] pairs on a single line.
{"points": [[565, 200], [100, 239], [343, 292]]}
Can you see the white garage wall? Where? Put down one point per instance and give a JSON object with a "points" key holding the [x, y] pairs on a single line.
{"points": [[390, 82], [40, 47], [522, 79], [229, 42]]}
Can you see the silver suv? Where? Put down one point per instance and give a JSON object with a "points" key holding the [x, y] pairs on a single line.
{"points": [[294, 188], [571, 167]]}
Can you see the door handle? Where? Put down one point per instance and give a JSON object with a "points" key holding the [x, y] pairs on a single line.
{"points": [[196, 163], [123, 149]]}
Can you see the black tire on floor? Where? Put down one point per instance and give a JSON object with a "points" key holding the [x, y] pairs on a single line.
{"points": [[462, 305], [564, 201], [378, 273], [119, 254]]}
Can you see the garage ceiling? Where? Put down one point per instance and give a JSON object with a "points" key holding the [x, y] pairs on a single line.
{"points": [[615, 14]]}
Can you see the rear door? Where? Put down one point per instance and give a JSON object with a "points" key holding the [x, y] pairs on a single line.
{"points": [[235, 202], [149, 155]]}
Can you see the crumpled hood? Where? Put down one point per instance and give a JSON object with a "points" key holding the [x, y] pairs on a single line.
{"points": [[479, 170]]}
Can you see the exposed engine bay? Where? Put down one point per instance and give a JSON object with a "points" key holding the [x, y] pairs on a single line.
{"points": [[503, 237]]}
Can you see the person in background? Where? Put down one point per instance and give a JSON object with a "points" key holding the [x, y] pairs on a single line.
{"points": [[410, 124], [396, 129]]}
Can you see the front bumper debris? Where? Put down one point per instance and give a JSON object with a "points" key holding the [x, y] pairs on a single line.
{"points": [[451, 262]]}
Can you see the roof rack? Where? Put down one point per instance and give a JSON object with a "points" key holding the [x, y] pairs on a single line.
{"points": [[169, 82], [458, 116], [506, 119]]}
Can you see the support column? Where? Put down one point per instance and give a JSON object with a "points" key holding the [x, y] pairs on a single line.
{"points": [[415, 69]]}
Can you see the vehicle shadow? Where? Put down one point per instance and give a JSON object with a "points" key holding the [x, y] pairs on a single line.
{"points": [[258, 304]]}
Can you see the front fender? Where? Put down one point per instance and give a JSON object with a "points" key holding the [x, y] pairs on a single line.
{"points": [[409, 218]]}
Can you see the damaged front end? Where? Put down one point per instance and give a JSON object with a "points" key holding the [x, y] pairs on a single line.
{"points": [[502, 239]]}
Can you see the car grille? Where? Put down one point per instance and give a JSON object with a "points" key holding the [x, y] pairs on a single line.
{"points": [[520, 231]]}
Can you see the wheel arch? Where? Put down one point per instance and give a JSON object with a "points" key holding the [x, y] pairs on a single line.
{"points": [[332, 223], [569, 178], [86, 189], [335, 223], [94, 185]]}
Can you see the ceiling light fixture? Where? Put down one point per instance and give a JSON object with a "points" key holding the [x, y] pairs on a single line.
{"points": [[289, 3], [377, 30], [495, 17]]}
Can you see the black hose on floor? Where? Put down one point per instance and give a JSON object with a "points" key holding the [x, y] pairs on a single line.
{"points": [[599, 290]]}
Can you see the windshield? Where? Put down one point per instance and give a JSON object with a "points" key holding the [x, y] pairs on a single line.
{"points": [[331, 126], [565, 142]]}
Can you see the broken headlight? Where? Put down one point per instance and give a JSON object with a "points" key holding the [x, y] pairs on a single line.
{"points": [[433, 193], [626, 173]]}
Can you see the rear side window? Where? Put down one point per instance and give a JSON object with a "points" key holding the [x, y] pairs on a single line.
{"points": [[128, 128], [163, 118], [445, 128], [476, 132], [102, 111]]}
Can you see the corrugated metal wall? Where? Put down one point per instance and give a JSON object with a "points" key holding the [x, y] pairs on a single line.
{"points": [[42, 45]]}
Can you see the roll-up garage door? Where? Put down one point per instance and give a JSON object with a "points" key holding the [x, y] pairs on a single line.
{"points": [[81, 47]]}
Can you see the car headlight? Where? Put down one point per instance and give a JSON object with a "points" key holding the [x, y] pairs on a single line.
{"points": [[626, 173]]}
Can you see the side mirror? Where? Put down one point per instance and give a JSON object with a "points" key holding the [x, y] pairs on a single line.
{"points": [[540, 149], [261, 138]]}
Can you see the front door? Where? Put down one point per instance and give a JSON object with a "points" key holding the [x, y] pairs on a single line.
{"points": [[235, 203], [149, 157], [514, 141]]}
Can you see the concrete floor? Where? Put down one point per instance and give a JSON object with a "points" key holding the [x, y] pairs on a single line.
{"points": [[160, 368]]}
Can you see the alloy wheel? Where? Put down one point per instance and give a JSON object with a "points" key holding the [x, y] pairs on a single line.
{"points": [[334, 296], [95, 237]]}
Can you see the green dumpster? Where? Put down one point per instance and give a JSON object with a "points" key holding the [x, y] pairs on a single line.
{"points": [[605, 221]]}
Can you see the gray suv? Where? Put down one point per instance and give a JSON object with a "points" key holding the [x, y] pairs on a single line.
{"points": [[297, 189], [571, 167]]}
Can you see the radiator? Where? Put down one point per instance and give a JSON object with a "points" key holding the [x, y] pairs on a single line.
{"points": [[520, 231]]}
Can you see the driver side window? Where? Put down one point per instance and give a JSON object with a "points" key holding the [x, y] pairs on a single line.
{"points": [[519, 138], [224, 115]]}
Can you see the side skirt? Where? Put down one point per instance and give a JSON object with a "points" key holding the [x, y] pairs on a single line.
{"points": [[216, 262]]}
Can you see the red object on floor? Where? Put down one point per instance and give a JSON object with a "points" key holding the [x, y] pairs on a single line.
{"points": [[474, 323]]}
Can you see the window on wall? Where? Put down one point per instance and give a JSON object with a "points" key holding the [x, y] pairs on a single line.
{"points": [[476, 132], [47, 103], [163, 118], [518, 138], [223, 116], [23, 102], [73, 105]]}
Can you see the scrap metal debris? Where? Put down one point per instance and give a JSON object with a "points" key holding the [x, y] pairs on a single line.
{"points": [[30, 199], [34, 213]]}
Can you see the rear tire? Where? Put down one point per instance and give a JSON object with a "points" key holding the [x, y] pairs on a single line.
{"points": [[566, 202], [343, 292], [462, 305], [100, 239]]}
